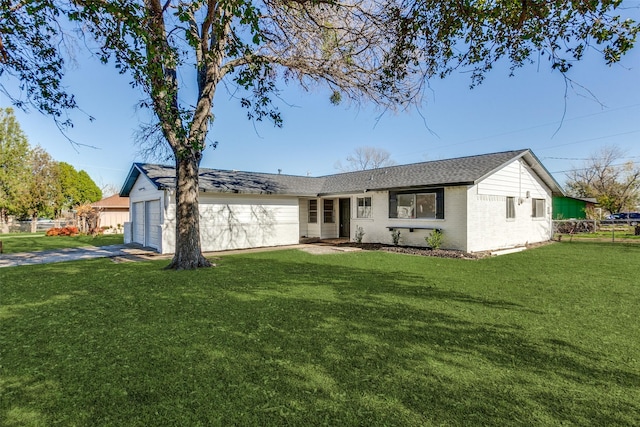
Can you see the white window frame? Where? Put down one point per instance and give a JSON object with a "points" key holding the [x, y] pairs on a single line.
{"points": [[328, 215], [312, 217], [511, 208], [538, 208], [363, 207]]}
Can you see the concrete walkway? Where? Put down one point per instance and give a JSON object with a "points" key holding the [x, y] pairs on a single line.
{"points": [[74, 254], [124, 253]]}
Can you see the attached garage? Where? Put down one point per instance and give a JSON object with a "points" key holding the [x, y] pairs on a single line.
{"points": [[146, 219], [152, 224], [237, 210], [137, 222]]}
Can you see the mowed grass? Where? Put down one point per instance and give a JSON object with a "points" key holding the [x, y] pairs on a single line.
{"points": [[30, 242], [549, 336]]}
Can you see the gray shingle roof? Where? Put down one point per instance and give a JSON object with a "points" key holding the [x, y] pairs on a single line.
{"points": [[459, 171], [224, 181]]}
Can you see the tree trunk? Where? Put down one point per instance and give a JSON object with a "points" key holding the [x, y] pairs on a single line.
{"points": [[188, 255], [34, 223], [4, 221]]}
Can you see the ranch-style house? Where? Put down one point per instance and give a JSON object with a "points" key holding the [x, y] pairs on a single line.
{"points": [[480, 203]]}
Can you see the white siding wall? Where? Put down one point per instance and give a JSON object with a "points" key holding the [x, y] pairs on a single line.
{"points": [[488, 227], [377, 231], [309, 229], [321, 229], [329, 230], [240, 221], [303, 217]]}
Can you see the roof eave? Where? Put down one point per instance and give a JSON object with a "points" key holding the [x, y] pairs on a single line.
{"points": [[132, 176], [535, 164]]}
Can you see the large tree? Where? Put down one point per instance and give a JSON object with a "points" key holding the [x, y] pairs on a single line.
{"points": [[251, 45], [377, 50], [614, 183], [14, 169]]}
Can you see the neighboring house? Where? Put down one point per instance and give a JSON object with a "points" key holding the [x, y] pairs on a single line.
{"points": [[566, 207], [481, 203], [113, 213]]}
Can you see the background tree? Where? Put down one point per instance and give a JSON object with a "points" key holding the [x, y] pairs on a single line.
{"points": [[615, 184], [377, 50], [43, 187], [14, 170], [109, 189], [69, 197], [87, 189], [364, 158], [77, 187]]}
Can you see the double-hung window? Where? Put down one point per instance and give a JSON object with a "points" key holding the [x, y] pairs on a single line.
{"points": [[419, 204], [313, 211], [538, 208], [511, 207], [329, 216], [364, 207]]}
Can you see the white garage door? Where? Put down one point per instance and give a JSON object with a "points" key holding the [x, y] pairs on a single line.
{"points": [[137, 222], [152, 224]]}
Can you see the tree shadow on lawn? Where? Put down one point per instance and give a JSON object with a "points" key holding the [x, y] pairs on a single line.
{"points": [[347, 347]]}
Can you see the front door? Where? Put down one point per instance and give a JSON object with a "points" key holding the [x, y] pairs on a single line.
{"points": [[345, 218]]}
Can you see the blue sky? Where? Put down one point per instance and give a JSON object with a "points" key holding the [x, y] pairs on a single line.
{"points": [[504, 113]]}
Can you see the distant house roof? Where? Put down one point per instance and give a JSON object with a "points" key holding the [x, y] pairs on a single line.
{"points": [[115, 201], [459, 171]]}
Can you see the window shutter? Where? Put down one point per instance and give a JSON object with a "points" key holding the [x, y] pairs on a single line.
{"points": [[440, 203], [393, 204]]}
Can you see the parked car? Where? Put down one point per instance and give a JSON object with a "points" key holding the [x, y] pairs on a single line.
{"points": [[630, 218], [634, 218]]}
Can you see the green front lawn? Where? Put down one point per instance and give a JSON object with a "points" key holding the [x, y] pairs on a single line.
{"points": [[548, 336], [30, 242]]}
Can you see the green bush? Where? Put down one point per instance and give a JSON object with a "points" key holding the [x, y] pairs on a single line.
{"points": [[395, 236], [434, 240]]}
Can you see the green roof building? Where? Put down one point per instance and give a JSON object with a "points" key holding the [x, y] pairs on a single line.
{"points": [[571, 207]]}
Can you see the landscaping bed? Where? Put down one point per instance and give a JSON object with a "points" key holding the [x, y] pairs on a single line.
{"points": [[415, 250]]}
